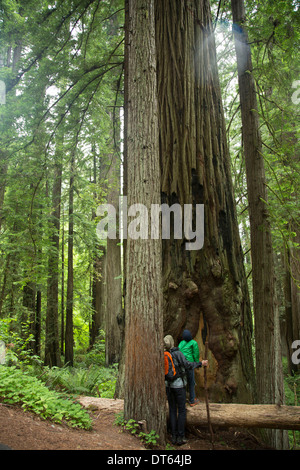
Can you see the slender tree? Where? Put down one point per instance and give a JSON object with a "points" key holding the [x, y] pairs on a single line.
{"points": [[52, 351], [9, 59], [69, 336], [144, 397], [113, 275], [292, 297], [98, 272], [269, 374]]}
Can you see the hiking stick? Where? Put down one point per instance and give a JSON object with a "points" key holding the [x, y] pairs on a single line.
{"points": [[206, 397]]}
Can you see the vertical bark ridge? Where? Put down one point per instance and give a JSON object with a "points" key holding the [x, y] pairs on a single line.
{"points": [[144, 398], [204, 290]]}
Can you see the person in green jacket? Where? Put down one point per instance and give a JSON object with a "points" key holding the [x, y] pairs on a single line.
{"points": [[189, 348]]}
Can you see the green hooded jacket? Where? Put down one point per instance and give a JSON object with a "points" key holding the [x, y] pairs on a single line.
{"points": [[189, 347]]}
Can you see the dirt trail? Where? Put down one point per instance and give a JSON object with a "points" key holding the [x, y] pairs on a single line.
{"points": [[25, 431]]}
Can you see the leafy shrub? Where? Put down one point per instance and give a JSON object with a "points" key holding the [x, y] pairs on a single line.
{"points": [[292, 398], [150, 439], [18, 346], [17, 387]]}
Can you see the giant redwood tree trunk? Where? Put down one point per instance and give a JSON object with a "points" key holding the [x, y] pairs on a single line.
{"points": [[144, 396], [204, 290]]}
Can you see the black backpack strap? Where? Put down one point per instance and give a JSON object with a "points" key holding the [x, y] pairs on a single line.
{"points": [[180, 370]]}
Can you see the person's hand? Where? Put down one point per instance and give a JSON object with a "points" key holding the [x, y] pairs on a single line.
{"points": [[205, 363]]}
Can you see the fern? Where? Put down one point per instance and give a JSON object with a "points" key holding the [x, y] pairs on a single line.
{"points": [[17, 387]]}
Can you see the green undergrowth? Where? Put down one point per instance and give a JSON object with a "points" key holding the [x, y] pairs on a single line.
{"points": [[19, 388], [95, 381], [150, 439]]}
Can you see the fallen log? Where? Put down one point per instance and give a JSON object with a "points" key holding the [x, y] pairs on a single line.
{"points": [[246, 416], [222, 415], [108, 404]]}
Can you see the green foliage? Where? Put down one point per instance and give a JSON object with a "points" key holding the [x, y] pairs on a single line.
{"points": [[18, 387], [91, 381], [292, 398], [132, 426], [95, 356], [18, 347], [61, 98], [150, 439], [119, 420]]}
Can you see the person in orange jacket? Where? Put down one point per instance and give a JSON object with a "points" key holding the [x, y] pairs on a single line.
{"points": [[176, 390]]}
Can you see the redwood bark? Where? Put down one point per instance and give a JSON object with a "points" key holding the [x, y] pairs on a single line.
{"points": [[144, 397], [204, 290]]}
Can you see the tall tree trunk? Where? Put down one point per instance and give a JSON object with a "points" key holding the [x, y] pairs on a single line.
{"points": [[52, 351], [28, 320], [292, 298], [4, 281], [98, 294], [4, 62], [205, 290], [113, 274], [113, 310], [62, 295], [38, 323], [295, 284], [119, 390], [10, 272], [113, 302], [145, 396], [10, 60], [3, 172], [69, 338], [267, 335], [99, 268]]}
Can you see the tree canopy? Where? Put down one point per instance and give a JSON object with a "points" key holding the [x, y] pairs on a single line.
{"points": [[64, 151]]}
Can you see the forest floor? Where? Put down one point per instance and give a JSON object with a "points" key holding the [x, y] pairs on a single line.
{"points": [[22, 430]]}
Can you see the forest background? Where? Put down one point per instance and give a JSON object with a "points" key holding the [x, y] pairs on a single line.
{"points": [[61, 156]]}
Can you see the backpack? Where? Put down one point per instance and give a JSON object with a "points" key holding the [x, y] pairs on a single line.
{"points": [[170, 371]]}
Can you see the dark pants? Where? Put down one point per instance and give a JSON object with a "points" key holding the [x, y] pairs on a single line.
{"points": [[191, 384], [177, 413]]}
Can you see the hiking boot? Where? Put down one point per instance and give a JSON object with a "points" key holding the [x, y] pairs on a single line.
{"points": [[181, 441], [174, 440], [196, 402]]}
